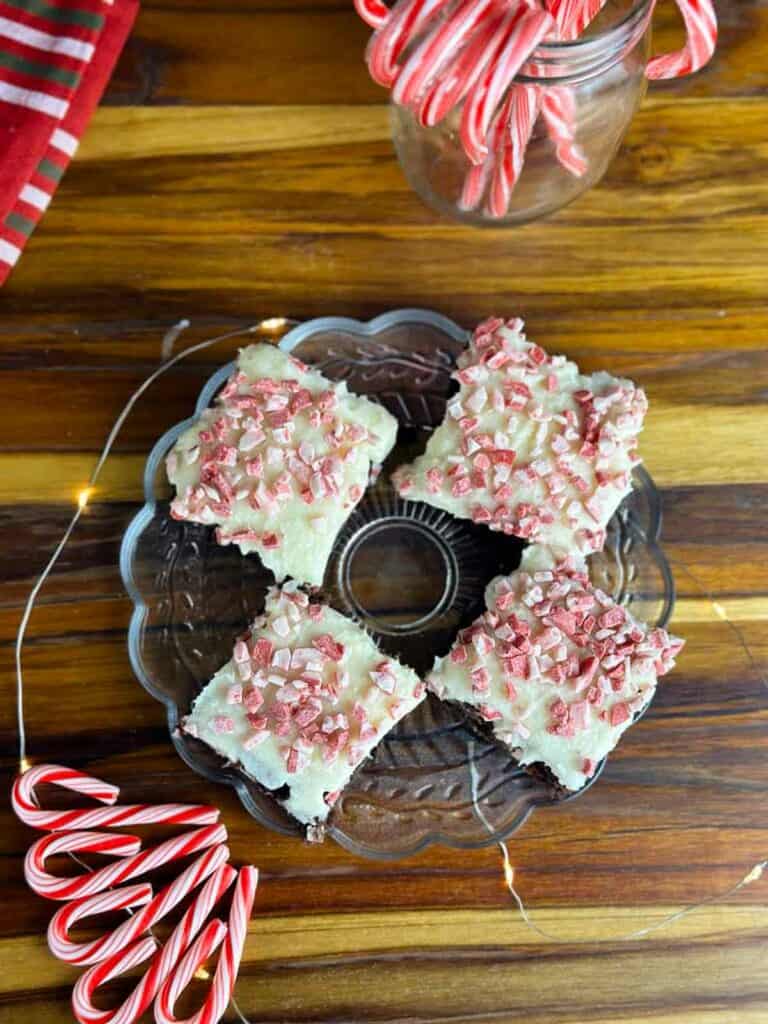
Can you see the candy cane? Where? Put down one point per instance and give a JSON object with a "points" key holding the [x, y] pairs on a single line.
{"points": [[526, 33], [207, 943], [428, 59], [701, 28], [403, 25], [136, 863], [28, 810], [479, 175], [373, 12], [104, 972], [102, 903], [558, 109], [223, 985], [573, 16], [501, 159], [125, 934], [450, 89], [67, 842], [160, 968]]}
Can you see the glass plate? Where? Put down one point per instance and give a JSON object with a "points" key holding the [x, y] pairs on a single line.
{"points": [[411, 574]]}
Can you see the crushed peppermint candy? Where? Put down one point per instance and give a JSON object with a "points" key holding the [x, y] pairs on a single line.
{"points": [[279, 462], [305, 698], [556, 666], [535, 448]]}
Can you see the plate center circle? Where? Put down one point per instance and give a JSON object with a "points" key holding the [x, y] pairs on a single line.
{"points": [[398, 575]]}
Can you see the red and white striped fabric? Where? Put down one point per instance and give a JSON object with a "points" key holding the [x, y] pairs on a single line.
{"points": [[56, 57]]}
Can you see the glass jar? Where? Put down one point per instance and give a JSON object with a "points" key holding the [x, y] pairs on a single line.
{"points": [[597, 82]]}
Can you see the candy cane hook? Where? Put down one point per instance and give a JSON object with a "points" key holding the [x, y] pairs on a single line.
{"points": [[162, 965], [136, 863], [82, 994], [223, 985], [206, 944], [701, 28], [27, 808], [373, 12], [154, 910]]}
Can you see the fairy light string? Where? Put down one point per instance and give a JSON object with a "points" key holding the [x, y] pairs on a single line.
{"points": [[272, 327], [269, 327]]}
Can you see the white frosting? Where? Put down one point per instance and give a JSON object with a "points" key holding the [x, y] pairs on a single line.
{"points": [[554, 702], [281, 490], [529, 445], [369, 704]]}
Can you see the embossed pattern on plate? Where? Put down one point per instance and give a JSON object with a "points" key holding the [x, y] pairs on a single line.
{"points": [[409, 574]]}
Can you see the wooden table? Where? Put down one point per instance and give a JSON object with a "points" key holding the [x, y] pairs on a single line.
{"points": [[241, 169]]}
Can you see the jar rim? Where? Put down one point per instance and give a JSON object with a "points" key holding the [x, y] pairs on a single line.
{"points": [[582, 49]]}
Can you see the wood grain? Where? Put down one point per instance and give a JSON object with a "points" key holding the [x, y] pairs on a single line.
{"points": [[241, 169], [260, 51], [686, 168]]}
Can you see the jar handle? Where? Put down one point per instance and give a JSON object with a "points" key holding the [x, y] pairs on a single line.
{"points": [[701, 35]]}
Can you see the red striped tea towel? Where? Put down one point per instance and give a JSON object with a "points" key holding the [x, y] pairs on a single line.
{"points": [[56, 57]]}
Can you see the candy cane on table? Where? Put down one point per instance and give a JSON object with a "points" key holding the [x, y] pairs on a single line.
{"points": [[388, 43], [117, 965], [136, 863], [165, 961], [373, 12], [223, 985], [68, 842], [25, 804], [206, 943], [437, 48], [701, 28], [527, 31], [125, 898], [154, 910]]}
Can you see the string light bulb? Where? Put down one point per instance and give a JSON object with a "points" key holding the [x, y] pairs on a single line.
{"points": [[84, 496], [202, 974], [273, 324]]}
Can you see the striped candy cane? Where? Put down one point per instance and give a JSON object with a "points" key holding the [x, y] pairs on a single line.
{"points": [[136, 863], [701, 28], [479, 175], [449, 90], [573, 16], [437, 48], [162, 965], [373, 12], [125, 934], [527, 31], [127, 897], [519, 114], [558, 109], [27, 808], [72, 842], [207, 943], [223, 984], [403, 25], [104, 972]]}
